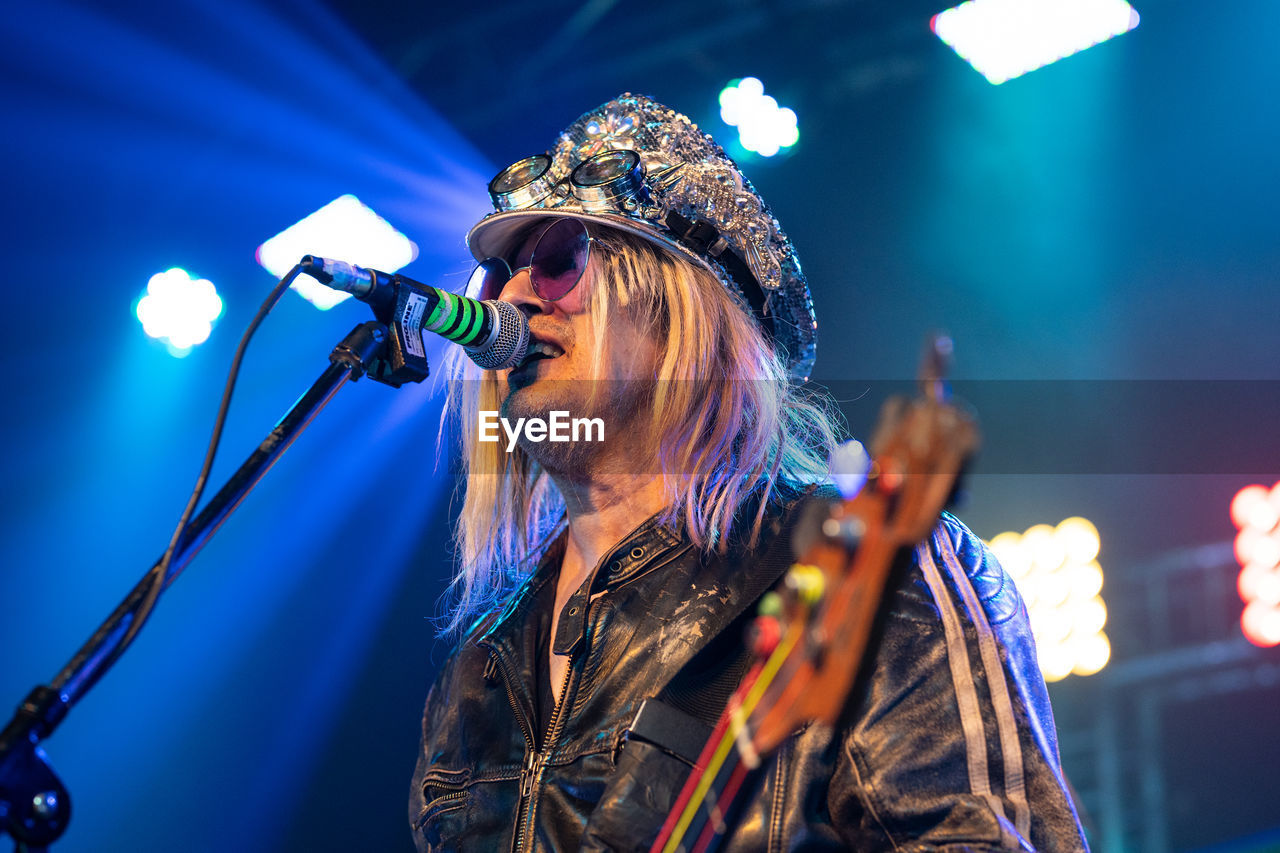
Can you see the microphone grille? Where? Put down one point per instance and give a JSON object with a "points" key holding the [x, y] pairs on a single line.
{"points": [[508, 346]]}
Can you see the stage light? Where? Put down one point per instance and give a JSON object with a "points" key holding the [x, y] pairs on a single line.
{"points": [[344, 229], [1261, 624], [1091, 654], [1256, 513], [1013, 556], [1047, 552], [1087, 581], [1079, 540], [1252, 507], [1003, 39], [1057, 574], [763, 126], [179, 309]]}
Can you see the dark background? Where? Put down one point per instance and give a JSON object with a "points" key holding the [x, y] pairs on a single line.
{"points": [[1100, 238]]}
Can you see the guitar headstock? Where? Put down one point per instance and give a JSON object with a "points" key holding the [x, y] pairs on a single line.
{"points": [[921, 445], [814, 630]]}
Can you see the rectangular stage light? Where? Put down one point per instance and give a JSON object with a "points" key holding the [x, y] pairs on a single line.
{"points": [[344, 229], [1004, 39]]}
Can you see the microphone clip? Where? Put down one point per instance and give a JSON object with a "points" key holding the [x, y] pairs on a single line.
{"points": [[404, 359], [399, 303]]}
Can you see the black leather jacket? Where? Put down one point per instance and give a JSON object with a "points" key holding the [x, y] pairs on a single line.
{"points": [[950, 742]]}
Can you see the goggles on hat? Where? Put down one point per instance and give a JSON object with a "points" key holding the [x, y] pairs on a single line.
{"points": [[556, 264], [611, 181]]}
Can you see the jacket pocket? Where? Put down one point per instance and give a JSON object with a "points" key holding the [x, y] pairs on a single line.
{"points": [[445, 794]]}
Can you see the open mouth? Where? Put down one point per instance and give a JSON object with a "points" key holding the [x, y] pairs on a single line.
{"points": [[538, 351]]}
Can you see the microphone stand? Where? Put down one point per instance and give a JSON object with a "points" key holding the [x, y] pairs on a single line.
{"points": [[34, 804]]}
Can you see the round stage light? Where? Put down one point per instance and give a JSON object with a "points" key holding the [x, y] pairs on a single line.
{"points": [[179, 309], [1091, 654], [1255, 509], [1079, 539], [763, 126], [1261, 624], [1056, 571], [1252, 508]]}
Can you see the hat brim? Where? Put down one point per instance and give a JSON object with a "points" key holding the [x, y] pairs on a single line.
{"points": [[495, 235]]}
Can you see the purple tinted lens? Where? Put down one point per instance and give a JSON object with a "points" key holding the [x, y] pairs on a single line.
{"points": [[493, 275], [559, 259]]}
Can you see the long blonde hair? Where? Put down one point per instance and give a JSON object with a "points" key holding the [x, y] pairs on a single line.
{"points": [[730, 423]]}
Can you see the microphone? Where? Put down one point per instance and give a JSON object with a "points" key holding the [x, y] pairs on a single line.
{"points": [[494, 334]]}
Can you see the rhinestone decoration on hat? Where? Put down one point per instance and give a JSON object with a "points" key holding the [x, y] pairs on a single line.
{"points": [[688, 173]]}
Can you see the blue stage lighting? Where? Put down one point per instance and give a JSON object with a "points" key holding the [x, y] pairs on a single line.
{"points": [[345, 229], [763, 126], [179, 309], [1004, 39]]}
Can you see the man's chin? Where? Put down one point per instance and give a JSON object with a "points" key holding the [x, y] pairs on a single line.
{"points": [[529, 399], [536, 401], [620, 407]]}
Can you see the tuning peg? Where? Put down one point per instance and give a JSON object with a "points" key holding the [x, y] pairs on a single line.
{"points": [[766, 633], [809, 583], [849, 467], [939, 351], [847, 531]]}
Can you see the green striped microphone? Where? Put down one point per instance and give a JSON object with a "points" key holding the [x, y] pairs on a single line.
{"points": [[495, 334]]}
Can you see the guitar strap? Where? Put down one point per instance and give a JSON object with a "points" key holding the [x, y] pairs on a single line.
{"points": [[670, 730]]}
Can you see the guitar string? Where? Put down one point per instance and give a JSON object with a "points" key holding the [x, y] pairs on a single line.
{"points": [[706, 827], [754, 695], [729, 792], [704, 758]]}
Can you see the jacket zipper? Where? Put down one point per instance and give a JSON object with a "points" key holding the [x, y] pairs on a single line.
{"points": [[535, 764], [445, 798], [437, 806], [526, 729]]}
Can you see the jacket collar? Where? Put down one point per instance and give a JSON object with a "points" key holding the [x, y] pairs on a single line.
{"points": [[648, 547]]}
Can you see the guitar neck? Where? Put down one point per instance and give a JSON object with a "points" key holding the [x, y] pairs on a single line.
{"points": [[812, 635]]}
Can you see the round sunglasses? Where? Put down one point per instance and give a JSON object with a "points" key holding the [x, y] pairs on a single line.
{"points": [[558, 260]]}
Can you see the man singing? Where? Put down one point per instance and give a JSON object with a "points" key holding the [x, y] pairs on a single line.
{"points": [[665, 301]]}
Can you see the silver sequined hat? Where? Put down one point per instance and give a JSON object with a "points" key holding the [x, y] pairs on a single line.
{"points": [[678, 189]]}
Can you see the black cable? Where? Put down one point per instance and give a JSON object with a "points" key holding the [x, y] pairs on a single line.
{"points": [[159, 575]]}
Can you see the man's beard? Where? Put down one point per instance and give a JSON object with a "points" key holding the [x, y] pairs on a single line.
{"points": [[624, 407]]}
